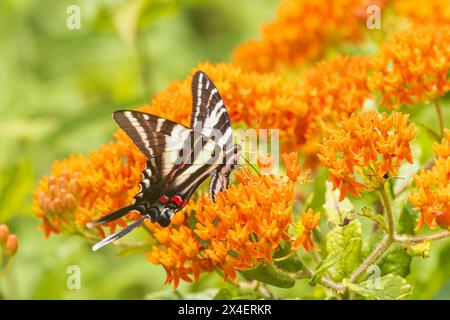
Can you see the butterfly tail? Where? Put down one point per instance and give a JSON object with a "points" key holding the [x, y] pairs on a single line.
{"points": [[111, 217], [119, 234]]}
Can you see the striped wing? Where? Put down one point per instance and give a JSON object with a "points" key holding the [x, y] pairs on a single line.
{"points": [[151, 134], [178, 158], [209, 114], [210, 117]]}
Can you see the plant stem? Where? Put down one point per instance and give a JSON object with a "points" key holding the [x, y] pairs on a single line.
{"points": [[440, 114], [436, 236], [372, 258], [389, 214], [384, 244], [7, 267]]}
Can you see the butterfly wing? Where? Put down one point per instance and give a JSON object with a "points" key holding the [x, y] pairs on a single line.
{"points": [[210, 117], [209, 114]]}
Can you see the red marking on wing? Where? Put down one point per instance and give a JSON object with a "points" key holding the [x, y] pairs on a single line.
{"points": [[163, 199], [177, 200], [184, 203]]}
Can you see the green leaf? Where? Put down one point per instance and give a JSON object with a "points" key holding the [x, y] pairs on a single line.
{"points": [[323, 267], [287, 260], [377, 218], [406, 222], [269, 274], [336, 211], [397, 262], [388, 287], [345, 241]]}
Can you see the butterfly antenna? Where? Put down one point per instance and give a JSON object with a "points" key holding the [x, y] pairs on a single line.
{"points": [[250, 165], [111, 217], [119, 234]]}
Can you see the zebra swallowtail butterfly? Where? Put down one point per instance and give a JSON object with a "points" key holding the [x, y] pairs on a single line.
{"points": [[179, 158]]}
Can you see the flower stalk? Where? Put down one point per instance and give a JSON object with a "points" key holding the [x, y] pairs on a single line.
{"points": [[440, 115]]}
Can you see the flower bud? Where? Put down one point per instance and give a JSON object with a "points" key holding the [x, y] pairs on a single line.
{"points": [[4, 234], [443, 220], [11, 245]]}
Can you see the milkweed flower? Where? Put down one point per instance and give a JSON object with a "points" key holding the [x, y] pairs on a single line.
{"points": [[366, 150], [333, 89], [309, 221], [302, 31], [423, 12], [243, 227], [413, 67], [432, 192], [81, 189], [292, 166]]}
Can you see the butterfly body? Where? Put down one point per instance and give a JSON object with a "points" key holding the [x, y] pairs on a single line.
{"points": [[179, 158]]}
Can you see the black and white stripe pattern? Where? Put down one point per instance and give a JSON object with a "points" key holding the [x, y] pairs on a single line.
{"points": [[179, 159], [209, 114], [210, 117]]}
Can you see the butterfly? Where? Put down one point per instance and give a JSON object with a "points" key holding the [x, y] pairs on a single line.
{"points": [[179, 158]]}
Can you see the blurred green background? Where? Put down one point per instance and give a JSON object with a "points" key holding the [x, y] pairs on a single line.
{"points": [[58, 88]]}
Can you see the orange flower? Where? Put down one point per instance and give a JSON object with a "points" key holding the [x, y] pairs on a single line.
{"points": [[244, 227], [309, 222], [432, 192], [333, 89], [423, 12], [8, 241], [293, 168], [413, 67], [4, 234], [366, 150], [81, 189], [302, 32]]}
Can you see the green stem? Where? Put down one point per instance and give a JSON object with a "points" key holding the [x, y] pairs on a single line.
{"points": [[7, 267], [440, 114], [389, 213], [432, 237], [384, 244], [325, 281], [372, 258]]}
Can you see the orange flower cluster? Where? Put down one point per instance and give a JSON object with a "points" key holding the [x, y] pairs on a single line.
{"points": [[413, 67], [81, 189], [424, 12], [366, 150], [302, 31], [333, 89], [432, 193], [245, 226]]}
